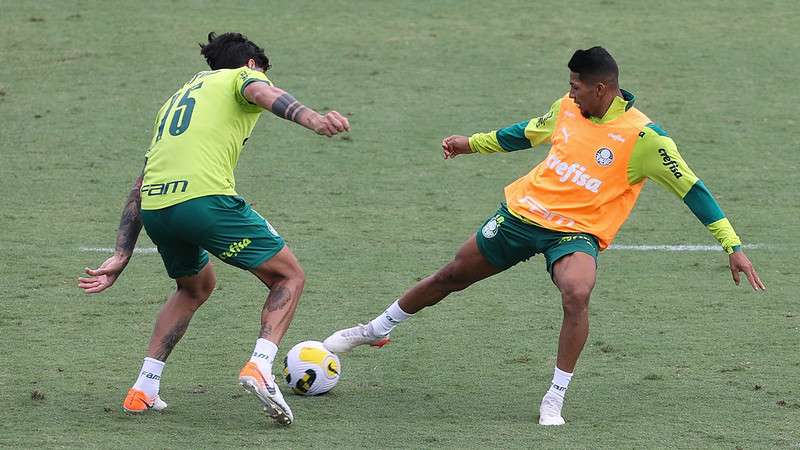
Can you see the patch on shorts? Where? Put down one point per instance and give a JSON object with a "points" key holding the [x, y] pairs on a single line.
{"points": [[269, 225], [490, 229], [272, 230]]}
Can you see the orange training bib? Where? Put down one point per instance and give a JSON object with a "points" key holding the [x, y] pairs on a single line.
{"points": [[582, 185]]}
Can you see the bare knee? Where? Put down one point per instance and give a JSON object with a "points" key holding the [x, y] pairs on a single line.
{"points": [[283, 270], [286, 286], [194, 297], [203, 291], [293, 277], [295, 283], [208, 285], [575, 300], [200, 290], [574, 275], [298, 277]]}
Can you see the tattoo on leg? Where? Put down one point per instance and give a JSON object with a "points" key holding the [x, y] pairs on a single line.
{"points": [[266, 330], [173, 336], [278, 298]]}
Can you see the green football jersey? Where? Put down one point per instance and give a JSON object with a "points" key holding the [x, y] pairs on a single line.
{"points": [[198, 135]]}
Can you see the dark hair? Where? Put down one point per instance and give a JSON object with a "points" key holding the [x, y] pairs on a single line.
{"points": [[231, 51], [594, 64]]}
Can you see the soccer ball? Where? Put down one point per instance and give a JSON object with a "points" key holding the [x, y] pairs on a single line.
{"points": [[310, 369]]}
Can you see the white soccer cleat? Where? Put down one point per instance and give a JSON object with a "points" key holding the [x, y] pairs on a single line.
{"points": [[267, 391], [550, 410], [346, 340]]}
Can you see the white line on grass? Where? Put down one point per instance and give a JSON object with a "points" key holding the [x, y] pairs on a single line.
{"points": [[676, 248], [639, 248], [144, 250]]}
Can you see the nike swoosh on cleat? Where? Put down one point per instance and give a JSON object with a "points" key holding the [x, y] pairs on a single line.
{"points": [[269, 388], [147, 406]]}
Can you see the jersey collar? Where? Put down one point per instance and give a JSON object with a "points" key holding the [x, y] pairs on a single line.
{"points": [[617, 108]]}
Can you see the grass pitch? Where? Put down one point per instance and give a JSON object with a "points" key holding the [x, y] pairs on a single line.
{"points": [[678, 357]]}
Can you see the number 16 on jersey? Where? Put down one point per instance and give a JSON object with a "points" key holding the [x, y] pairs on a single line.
{"points": [[181, 115]]}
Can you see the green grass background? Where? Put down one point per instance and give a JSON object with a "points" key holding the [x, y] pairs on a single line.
{"points": [[678, 357]]}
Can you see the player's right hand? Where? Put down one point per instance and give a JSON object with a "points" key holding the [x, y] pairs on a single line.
{"points": [[104, 276], [739, 262], [455, 145], [331, 124]]}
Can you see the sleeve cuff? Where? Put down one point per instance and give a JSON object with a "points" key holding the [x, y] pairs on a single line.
{"points": [[485, 143], [250, 81], [734, 249], [723, 231]]}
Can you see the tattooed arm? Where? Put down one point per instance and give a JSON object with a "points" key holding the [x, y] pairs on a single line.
{"points": [[283, 105], [131, 222], [129, 227]]}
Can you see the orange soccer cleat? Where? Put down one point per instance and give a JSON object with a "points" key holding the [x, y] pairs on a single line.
{"points": [[264, 387], [137, 401]]}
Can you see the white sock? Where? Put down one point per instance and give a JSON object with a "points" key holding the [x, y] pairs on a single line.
{"points": [[560, 382], [150, 377], [384, 323], [264, 355]]}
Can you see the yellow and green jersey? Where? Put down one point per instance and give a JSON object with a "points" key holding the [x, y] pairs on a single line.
{"points": [[198, 135], [654, 156]]}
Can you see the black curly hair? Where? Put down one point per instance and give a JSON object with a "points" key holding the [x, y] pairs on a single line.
{"points": [[231, 51]]}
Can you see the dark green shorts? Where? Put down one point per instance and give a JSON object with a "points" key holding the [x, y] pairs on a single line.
{"points": [[224, 225], [506, 240]]}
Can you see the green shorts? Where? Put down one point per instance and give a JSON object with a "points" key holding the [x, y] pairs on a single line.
{"points": [[224, 225], [506, 240]]}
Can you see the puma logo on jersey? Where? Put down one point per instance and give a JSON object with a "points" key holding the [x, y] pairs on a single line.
{"points": [[574, 173], [565, 133]]}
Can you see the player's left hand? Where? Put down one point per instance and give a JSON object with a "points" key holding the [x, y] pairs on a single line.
{"points": [[740, 263], [104, 276]]}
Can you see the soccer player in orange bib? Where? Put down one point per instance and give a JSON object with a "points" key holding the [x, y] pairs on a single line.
{"points": [[569, 207]]}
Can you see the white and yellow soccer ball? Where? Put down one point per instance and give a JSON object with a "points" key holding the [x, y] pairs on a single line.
{"points": [[310, 369]]}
